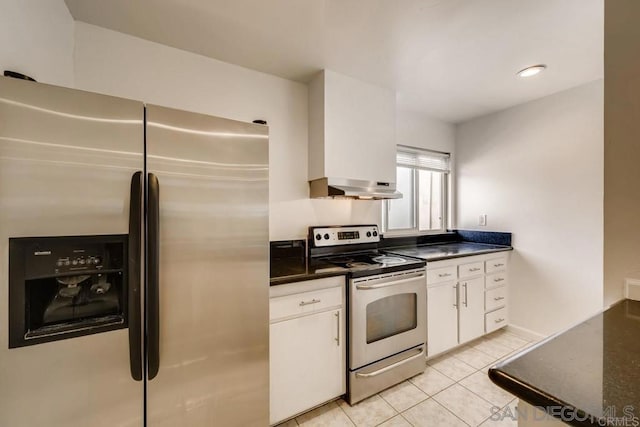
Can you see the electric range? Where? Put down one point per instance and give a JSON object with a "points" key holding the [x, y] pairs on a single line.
{"points": [[355, 248], [387, 314]]}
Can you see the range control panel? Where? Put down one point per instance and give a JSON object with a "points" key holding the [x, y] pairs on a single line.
{"points": [[344, 235]]}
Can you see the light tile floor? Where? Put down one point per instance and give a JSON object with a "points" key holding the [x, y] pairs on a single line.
{"points": [[454, 390]]}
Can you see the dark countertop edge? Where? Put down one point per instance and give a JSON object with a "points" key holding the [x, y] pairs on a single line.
{"points": [[283, 280], [542, 400]]}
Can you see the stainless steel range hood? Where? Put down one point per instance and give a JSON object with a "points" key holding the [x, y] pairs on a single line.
{"points": [[353, 189]]}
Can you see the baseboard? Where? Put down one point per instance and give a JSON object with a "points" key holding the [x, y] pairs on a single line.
{"points": [[525, 333]]}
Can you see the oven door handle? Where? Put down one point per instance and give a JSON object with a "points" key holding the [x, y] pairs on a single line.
{"points": [[387, 284], [392, 366]]}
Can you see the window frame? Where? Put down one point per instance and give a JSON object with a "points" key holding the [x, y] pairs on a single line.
{"points": [[444, 199]]}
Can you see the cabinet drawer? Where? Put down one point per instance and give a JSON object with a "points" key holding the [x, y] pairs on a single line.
{"points": [[443, 274], [303, 303], [495, 280], [495, 298], [496, 264], [495, 320], [471, 269]]}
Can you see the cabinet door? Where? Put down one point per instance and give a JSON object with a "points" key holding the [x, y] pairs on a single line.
{"points": [[442, 317], [307, 362], [471, 309]]}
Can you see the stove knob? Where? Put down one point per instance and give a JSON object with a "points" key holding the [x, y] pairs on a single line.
{"points": [[375, 233], [318, 236], [326, 237], [368, 234]]}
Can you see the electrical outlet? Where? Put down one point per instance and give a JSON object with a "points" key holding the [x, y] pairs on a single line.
{"points": [[482, 220]]}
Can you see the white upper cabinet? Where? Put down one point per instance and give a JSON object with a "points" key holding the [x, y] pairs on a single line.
{"points": [[351, 129]]}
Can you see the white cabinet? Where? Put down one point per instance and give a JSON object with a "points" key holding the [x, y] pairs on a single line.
{"points": [[351, 129], [442, 317], [496, 310], [464, 303], [307, 345], [471, 309]]}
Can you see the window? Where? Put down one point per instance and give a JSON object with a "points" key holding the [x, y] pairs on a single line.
{"points": [[421, 177]]}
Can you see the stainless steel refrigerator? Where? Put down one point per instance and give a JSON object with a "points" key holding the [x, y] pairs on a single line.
{"points": [[155, 216]]}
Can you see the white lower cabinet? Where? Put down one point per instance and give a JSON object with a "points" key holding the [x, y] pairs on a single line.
{"points": [[442, 317], [471, 310], [307, 346], [463, 303]]}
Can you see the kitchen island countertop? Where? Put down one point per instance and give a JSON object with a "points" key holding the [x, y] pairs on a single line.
{"points": [[589, 374]]}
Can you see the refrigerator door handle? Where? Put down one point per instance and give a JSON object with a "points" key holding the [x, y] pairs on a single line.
{"points": [[135, 258], [153, 273]]}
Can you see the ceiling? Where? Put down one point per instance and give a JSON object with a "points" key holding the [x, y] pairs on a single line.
{"points": [[450, 59]]}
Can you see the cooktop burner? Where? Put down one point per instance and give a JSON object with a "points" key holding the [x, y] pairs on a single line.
{"points": [[391, 260], [372, 260]]}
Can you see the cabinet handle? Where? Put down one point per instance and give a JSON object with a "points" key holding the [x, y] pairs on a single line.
{"points": [[499, 279], [498, 265], [337, 338], [474, 269], [499, 320], [455, 296], [498, 298], [313, 301], [464, 285], [444, 274]]}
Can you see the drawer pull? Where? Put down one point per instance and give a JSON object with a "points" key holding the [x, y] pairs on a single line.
{"points": [[444, 274], [498, 265], [499, 279], [499, 320], [474, 269], [498, 298], [313, 301]]}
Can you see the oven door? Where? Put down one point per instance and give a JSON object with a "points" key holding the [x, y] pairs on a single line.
{"points": [[388, 315]]}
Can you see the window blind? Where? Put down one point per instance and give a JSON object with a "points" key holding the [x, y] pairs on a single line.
{"points": [[423, 159]]}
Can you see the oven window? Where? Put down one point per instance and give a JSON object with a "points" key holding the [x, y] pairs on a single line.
{"points": [[390, 316]]}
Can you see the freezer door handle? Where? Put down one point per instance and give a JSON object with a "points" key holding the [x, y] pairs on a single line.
{"points": [[135, 258], [153, 273]]}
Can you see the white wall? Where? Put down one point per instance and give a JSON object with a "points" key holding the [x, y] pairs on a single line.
{"points": [[537, 170], [622, 146], [36, 39], [117, 64], [415, 129]]}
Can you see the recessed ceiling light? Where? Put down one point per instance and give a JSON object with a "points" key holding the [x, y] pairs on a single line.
{"points": [[532, 71]]}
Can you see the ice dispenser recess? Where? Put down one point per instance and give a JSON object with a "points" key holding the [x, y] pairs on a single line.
{"points": [[65, 287]]}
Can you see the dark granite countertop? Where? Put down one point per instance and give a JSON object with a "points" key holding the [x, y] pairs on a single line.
{"points": [[287, 270], [590, 372], [290, 264], [437, 252]]}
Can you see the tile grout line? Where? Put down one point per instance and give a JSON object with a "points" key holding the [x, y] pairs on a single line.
{"points": [[501, 409], [345, 412]]}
